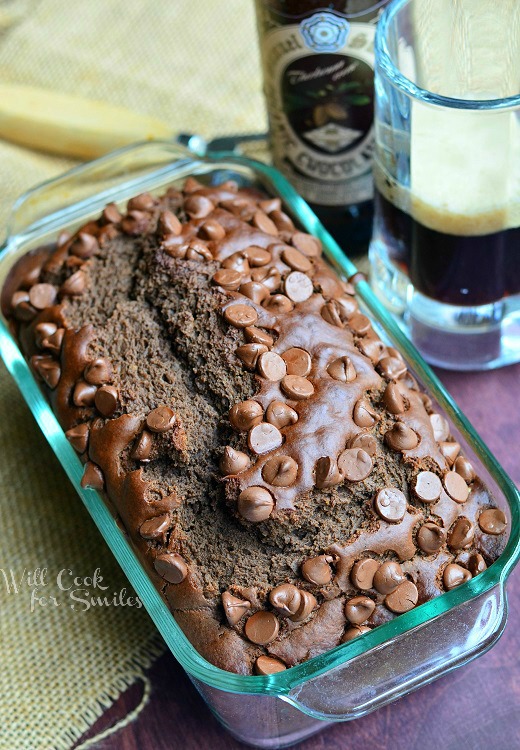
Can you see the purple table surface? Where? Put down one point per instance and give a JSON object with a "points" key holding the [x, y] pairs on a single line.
{"points": [[476, 707]]}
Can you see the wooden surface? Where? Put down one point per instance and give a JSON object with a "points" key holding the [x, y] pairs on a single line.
{"points": [[476, 707]]}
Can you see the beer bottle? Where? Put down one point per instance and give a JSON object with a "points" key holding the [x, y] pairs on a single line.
{"points": [[318, 60]]}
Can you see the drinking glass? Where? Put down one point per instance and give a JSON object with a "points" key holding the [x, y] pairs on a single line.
{"points": [[445, 253]]}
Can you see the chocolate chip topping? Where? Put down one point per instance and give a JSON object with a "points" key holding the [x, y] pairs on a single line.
{"points": [[440, 427], [359, 609], [286, 599], [295, 260], [297, 388], [155, 528], [393, 399], [364, 415], [42, 296], [298, 286], [354, 632], [143, 447], [241, 316], [317, 570], [390, 504], [106, 400], [263, 222], [342, 369], [171, 566], [84, 246], [198, 206], [257, 336], [93, 477], [403, 598], [388, 577], [454, 575], [476, 564], [268, 665], [255, 504], [455, 486], [48, 369], [461, 535], [327, 472], [257, 256], [280, 414], [362, 573], [427, 486], [263, 438], [463, 467], [75, 285], [245, 415], [307, 604], [355, 464], [430, 538], [271, 366], [450, 451], [250, 353], [161, 419], [234, 608], [255, 291], [84, 394], [401, 437], [78, 437], [228, 279], [492, 521], [391, 368], [365, 441], [280, 471], [262, 628], [297, 361], [98, 372], [233, 462]]}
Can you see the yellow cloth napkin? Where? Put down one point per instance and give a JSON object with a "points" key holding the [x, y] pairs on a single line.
{"points": [[193, 63]]}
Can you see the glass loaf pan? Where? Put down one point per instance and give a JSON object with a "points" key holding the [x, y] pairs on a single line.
{"points": [[358, 676]]}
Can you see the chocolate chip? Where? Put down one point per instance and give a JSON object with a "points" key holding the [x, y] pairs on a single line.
{"points": [[401, 437], [280, 415], [492, 521], [263, 438], [279, 304], [228, 279], [255, 291], [271, 366], [390, 504], [264, 223], [307, 244], [362, 573], [234, 608], [461, 535], [75, 285], [84, 246], [161, 419], [198, 251], [155, 528], [440, 427], [237, 262], [280, 471], [355, 464], [393, 399], [359, 609], [427, 486], [249, 354], [476, 564], [83, 394], [192, 185], [463, 467], [55, 341], [111, 214], [347, 307], [354, 632], [171, 567], [269, 277], [42, 296], [241, 316], [295, 260], [342, 369], [233, 462], [364, 414], [255, 504], [261, 628], [359, 324], [327, 472], [365, 441], [430, 538], [175, 247], [286, 599], [257, 336], [240, 207], [257, 256], [245, 415], [307, 604], [98, 372], [388, 577], [92, 476], [298, 287], [450, 451], [454, 575], [42, 331], [141, 202], [372, 348], [297, 388], [106, 400], [455, 486], [48, 369], [212, 230], [298, 361], [391, 368], [317, 570], [268, 665], [78, 437], [198, 206], [135, 223], [403, 599], [330, 313], [271, 204], [22, 308], [143, 447]]}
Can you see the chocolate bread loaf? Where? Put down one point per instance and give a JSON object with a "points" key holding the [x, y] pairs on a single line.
{"points": [[275, 465]]}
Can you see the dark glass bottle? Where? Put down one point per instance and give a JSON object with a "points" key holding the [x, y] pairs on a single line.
{"points": [[318, 60]]}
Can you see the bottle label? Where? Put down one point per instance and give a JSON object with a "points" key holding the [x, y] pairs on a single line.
{"points": [[319, 83]]}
